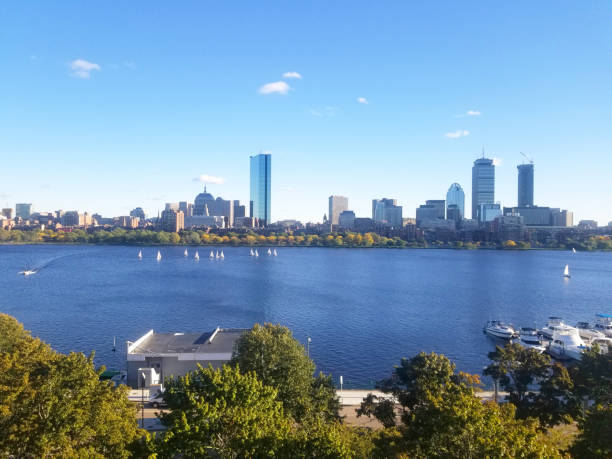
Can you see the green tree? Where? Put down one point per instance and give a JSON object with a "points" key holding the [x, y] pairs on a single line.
{"points": [[55, 405], [595, 437], [222, 413], [279, 361]]}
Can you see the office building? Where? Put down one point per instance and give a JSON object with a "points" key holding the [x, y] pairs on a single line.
{"points": [[139, 213], [563, 218], [172, 221], [186, 208], [456, 197], [509, 227], [439, 205], [453, 213], [261, 188], [337, 205], [483, 185], [346, 219], [239, 211], [23, 210], [525, 185], [161, 355], [489, 212], [587, 224], [8, 213], [126, 221], [387, 212], [206, 205], [172, 206]]}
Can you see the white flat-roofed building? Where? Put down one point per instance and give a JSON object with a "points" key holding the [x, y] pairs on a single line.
{"points": [[161, 355]]}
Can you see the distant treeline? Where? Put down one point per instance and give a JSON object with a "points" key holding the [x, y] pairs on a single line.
{"points": [[120, 236]]}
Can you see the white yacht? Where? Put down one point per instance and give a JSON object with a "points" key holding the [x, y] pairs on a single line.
{"points": [[222, 256], [158, 255], [566, 272], [604, 324], [587, 332], [197, 255], [567, 345], [529, 338], [140, 254], [275, 253], [554, 324], [499, 329]]}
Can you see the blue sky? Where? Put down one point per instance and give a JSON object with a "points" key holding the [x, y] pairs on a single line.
{"points": [[111, 105]]}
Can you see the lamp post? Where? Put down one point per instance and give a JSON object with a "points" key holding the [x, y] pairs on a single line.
{"points": [[308, 346], [144, 380], [341, 393]]}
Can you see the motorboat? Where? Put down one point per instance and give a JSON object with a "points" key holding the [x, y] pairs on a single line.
{"points": [[566, 273], [553, 325], [567, 345], [499, 329], [197, 255], [158, 255], [604, 324], [588, 332], [604, 344], [28, 272], [531, 339]]}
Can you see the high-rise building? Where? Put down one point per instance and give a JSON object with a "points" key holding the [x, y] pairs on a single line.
{"points": [[456, 197], [483, 185], [525, 185], [172, 220], [23, 210], [488, 212], [8, 213], [439, 205], [337, 205], [139, 213], [239, 211], [261, 188], [386, 211], [186, 208], [346, 219]]}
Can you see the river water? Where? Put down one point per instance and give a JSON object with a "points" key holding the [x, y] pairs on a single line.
{"points": [[364, 309]]}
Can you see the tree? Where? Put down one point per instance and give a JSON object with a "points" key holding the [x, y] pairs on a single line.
{"points": [[555, 402], [279, 361], [517, 368], [595, 437], [55, 405], [222, 413], [382, 409]]}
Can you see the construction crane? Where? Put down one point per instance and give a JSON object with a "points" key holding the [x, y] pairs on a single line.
{"points": [[527, 158]]}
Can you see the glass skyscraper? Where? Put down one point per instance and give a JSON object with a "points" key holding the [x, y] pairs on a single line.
{"points": [[261, 178], [455, 196], [483, 184], [525, 185]]}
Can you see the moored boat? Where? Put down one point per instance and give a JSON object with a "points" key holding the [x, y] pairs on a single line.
{"points": [[499, 329], [553, 325], [567, 345], [529, 338], [604, 324]]}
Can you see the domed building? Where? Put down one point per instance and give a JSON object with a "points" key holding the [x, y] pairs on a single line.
{"points": [[203, 203]]}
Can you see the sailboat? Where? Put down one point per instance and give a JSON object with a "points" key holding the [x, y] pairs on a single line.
{"points": [[573, 250], [275, 253], [256, 253], [269, 251], [158, 255], [566, 271], [186, 253], [252, 253], [197, 255], [140, 254], [217, 254], [222, 256], [212, 255]]}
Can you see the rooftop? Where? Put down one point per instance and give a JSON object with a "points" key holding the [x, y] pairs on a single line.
{"points": [[218, 341]]}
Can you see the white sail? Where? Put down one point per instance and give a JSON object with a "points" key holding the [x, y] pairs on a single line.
{"points": [[222, 256], [158, 255], [256, 253], [573, 250], [212, 255], [275, 253], [217, 254], [566, 271], [197, 255], [252, 253], [186, 252], [140, 254], [269, 251]]}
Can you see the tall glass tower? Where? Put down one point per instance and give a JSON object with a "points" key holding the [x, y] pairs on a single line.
{"points": [[483, 184], [456, 196], [261, 178], [525, 185]]}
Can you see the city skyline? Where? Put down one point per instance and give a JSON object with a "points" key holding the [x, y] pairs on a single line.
{"points": [[128, 117]]}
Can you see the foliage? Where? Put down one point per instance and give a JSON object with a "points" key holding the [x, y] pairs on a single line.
{"points": [[279, 361], [55, 405], [595, 438], [593, 376], [222, 412], [381, 408]]}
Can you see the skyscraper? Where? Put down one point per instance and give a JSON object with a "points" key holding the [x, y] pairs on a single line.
{"points": [[456, 197], [337, 205], [525, 185], [387, 212], [23, 210], [261, 189], [483, 184]]}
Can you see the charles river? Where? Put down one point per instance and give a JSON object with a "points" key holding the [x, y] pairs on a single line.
{"points": [[363, 308]]}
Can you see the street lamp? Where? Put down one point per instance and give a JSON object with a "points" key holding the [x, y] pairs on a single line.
{"points": [[308, 346], [144, 381]]}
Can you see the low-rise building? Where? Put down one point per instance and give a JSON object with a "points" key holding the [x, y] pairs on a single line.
{"points": [[346, 219], [160, 355], [172, 220]]}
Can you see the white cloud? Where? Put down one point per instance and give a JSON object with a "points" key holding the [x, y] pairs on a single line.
{"points": [[209, 179], [82, 68], [362, 100], [457, 134], [326, 111], [277, 87], [473, 113], [292, 75], [497, 161]]}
